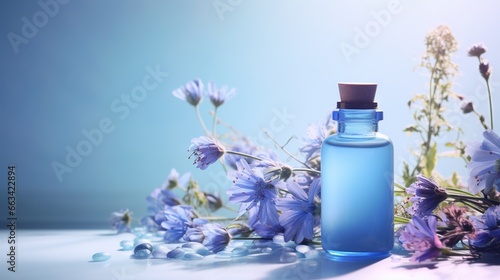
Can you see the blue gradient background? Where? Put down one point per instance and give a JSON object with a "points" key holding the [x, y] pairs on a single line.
{"points": [[280, 55]]}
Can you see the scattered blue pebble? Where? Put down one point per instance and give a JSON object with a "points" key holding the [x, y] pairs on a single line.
{"points": [[160, 252], [176, 253], [197, 247], [127, 245], [192, 256], [239, 251], [142, 254], [101, 257], [303, 248], [143, 250], [288, 257]]}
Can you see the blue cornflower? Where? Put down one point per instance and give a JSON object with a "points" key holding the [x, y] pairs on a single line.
{"points": [[489, 230], [420, 236], [300, 212], [425, 196], [219, 95], [174, 180], [316, 134], [251, 190], [213, 235], [176, 221], [159, 198], [120, 220], [191, 93], [484, 168], [263, 230], [206, 151]]}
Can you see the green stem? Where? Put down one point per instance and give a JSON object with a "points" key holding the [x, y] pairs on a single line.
{"points": [[214, 122], [491, 103], [244, 155], [307, 170], [201, 120], [282, 147]]}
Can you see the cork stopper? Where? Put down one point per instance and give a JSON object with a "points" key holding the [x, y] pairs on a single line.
{"points": [[357, 96]]}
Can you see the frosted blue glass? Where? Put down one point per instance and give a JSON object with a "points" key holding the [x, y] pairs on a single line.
{"points": [[357, 193]]}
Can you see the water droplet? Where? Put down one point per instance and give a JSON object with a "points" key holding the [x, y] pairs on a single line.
{"points": [[279, 239], [127, 245], [101, 256], [239, 251], [224, 254], [143, 250]]}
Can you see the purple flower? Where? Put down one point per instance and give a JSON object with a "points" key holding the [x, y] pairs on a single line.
{"points": [[488, 237], [206, 151], [477, 50], [467, 107], [425, 196], [485, 69], [120, 220], [300, 212], [191, 93], [174, 180], [159, 198], [484, 168], [214, 236], [420, 236], [268, 230], [457, 225], [176, 221], [251, 190], [219, 95], [316, 134]]}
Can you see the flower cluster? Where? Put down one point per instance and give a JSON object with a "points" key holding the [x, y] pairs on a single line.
{"points": [[445, 219], [439, 217]]}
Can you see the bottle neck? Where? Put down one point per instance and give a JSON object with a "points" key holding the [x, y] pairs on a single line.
{"points": [[357, 123]]}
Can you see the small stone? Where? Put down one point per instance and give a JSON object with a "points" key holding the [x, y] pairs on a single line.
{"points": [[101, 257], [303, 248], [143, 250], [160, 252], [239, 251], [197, 247], [192, 256], [288, 257], [177, 253], [127, 245]]}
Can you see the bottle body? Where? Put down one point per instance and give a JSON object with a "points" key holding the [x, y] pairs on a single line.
{"points": [[357, 193]]}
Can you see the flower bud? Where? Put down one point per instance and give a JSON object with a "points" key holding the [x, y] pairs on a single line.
{"points": [[467, 107], [484, 69]]}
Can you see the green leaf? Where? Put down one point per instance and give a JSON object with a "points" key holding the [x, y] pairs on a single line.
{"points": [[412, 128]]}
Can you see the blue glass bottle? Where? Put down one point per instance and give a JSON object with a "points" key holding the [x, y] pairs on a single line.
{"points": [[357, 192]]}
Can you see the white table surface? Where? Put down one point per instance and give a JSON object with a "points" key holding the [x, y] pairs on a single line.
{"points": [[67, 254]]}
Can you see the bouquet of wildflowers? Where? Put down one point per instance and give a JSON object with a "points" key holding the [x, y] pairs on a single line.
{"points": [[435, 216]]}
